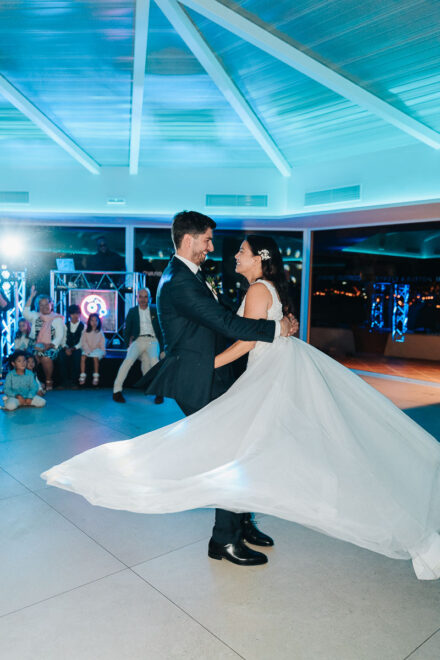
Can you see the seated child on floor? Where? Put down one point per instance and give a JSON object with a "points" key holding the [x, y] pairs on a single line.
{"points": [[20, 385], [32, 366]]}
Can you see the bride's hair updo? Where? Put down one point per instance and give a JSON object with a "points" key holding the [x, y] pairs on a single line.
{"points": [[273, 268]]}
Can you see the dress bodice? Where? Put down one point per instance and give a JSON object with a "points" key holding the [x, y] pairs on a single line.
{"points": [[275, 313]]}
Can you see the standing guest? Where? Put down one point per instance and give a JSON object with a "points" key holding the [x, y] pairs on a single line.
{"points": [[143, 338], [69, 356], [92, 346], [22, 339], [31, 365], [47, 332], [105, 259], [20, 385], [195, 326]]}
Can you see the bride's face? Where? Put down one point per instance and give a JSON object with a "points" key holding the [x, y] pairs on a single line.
{"points": [[247, 263]]}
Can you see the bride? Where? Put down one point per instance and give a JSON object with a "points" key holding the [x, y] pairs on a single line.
{"points": [[302, 438]]}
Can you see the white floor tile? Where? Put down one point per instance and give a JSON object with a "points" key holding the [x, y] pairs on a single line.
{"points": [[10, 486], [116, 618], [42, 554], [430, 650], [25, 458], [302, 605], [132, 537], [138, 415], [30, 422]]}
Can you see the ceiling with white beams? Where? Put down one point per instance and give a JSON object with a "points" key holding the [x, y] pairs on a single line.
{"points": [[247, 83]]}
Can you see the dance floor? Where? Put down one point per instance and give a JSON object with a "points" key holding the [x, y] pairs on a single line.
{"points": [[421, 370], [81, 582]]}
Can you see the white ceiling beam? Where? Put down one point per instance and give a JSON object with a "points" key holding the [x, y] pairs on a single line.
{"points": [[183, 25], [137, 93], [27, 108], [280, 49]]}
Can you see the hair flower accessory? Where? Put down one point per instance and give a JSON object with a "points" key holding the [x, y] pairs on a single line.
{"points": [[264, 254]]}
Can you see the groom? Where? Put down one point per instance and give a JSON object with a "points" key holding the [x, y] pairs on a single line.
{"points": [[195, 325]]}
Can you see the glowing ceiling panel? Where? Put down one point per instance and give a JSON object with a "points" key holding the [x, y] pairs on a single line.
{"points": [[73, 59]]}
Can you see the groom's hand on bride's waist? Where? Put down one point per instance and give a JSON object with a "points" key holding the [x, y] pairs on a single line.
{"points": [[288, 326]]}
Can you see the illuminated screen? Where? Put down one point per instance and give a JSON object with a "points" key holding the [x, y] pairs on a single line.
{"points": [[97, 301]]}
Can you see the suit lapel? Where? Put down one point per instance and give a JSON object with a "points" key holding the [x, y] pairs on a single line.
{"points": [[179, 266]]}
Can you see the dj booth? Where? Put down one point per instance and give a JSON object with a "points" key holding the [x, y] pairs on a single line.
{"points": [[109, 294]]}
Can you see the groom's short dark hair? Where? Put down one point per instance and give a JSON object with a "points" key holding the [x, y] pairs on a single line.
{"points": [[189, 222]]}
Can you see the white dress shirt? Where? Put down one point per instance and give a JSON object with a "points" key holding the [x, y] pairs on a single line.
{"points": [[146, 325], [194, 269]]}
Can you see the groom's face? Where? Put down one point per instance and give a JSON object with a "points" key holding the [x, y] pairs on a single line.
{"points": [[201, 245]]}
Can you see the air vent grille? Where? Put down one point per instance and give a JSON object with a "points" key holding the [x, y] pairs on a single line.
{"points": [[116, 201], [13, 197], [332, 196], [236, 200]]}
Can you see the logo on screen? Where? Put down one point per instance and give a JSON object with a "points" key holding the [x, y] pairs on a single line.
{"points": [[93, 304]]}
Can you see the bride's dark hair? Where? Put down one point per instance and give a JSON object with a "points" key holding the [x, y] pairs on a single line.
{"points": [[273, 268]]}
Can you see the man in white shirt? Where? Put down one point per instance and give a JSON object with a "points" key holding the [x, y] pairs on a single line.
{"points": [[143, 338]]}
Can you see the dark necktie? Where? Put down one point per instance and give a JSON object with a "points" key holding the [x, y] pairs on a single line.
{"points": [[201, 276]]}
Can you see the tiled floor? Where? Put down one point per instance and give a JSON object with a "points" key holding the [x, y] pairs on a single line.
{"points": [[80, 582]]}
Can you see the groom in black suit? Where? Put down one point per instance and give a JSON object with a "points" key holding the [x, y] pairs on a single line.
{"points": [[194, 326]]}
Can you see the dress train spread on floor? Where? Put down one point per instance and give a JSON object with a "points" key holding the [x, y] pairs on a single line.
{"points": [[297, 436]]}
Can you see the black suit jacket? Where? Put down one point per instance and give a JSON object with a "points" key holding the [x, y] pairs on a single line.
{"points": [[133, 325], [194, 326]]}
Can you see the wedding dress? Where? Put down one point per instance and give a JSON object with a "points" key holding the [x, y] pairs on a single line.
{"points": [[297, 436]]}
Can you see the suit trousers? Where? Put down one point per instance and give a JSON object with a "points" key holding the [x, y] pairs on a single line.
{"points": [[228, 525], [69, 365], [144, 348]]}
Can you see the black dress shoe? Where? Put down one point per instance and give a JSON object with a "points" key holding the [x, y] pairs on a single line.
{"points": [[158, 399], [251, 534], [237, 553], [118, 397]]}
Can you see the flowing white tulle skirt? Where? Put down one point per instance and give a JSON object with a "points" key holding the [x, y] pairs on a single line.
{"points": [[297, 436]]}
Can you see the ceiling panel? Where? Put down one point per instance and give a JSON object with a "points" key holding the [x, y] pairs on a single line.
{"points": [[186, 119], [23, 143], [382, 46], [73, 59], [306, 119]]}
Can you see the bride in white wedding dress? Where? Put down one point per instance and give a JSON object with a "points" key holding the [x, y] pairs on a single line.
{"points": [[297, 436]]}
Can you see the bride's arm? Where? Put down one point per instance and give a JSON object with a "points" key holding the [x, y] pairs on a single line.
{"points": [[258, 301]]}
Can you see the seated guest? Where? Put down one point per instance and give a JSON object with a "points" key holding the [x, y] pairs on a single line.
{"points": [[22, 339], [92, 346], [143, 338], [47, 332], [69, 357], [20, 385], [31, 365]]}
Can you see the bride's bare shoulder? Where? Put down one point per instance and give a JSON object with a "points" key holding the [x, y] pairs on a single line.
{"points": [[258, 288], [258, 292]]}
